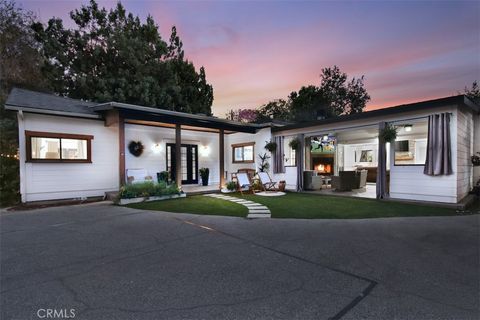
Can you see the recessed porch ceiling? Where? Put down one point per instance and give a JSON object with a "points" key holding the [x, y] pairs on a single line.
{"points": [[172, 126]]}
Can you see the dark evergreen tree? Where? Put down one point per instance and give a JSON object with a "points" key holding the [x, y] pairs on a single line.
{"points": [[19, 66], [113, 56]]}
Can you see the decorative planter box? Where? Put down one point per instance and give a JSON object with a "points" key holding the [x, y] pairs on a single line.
{"points": [[123, 202]]}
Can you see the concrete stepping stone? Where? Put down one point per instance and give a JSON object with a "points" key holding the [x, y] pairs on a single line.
{"points": [[255, 210], [258, 215]]}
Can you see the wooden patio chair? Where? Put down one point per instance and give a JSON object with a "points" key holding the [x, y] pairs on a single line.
{"points": [[266, 181], [244, 183]]}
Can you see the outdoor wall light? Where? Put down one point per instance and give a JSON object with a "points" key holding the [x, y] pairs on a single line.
{"points": [[408, 127], [156, 148], [204, 151]]}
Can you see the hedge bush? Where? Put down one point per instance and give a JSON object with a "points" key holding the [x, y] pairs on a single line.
{"points": [[148, 189]]}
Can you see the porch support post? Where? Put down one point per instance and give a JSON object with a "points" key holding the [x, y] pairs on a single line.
{"points": [[178, 155], [221, 156], [121, 150]]}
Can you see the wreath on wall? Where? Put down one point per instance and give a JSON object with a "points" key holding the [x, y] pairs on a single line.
{"points": [[135, 148]]}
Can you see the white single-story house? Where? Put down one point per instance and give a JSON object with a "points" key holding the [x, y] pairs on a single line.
{"points": [[74, 149]]}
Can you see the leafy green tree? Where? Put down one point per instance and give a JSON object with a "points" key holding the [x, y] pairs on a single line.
{"points": [[274, 110], [242, 115], [19, 66], [112, 55], [308, 104], [335, 96], [473, 93]]}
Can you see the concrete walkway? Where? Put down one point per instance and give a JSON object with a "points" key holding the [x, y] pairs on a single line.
{"points": [[255, 210]]}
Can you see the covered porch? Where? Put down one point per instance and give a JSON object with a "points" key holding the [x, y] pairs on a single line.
{"points": [[174, 145]]}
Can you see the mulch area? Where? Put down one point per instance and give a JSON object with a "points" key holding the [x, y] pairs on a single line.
{"points": [[53, 203]]}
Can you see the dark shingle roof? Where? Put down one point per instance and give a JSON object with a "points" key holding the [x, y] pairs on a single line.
{"points": [[428, 104], [44, 101]]}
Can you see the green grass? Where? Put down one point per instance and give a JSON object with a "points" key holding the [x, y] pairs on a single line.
{"points": [[196, 205], [309, 206], [298, 205]]}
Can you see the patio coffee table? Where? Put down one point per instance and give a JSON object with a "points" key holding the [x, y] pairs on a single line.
{"points": [[326, 181]]}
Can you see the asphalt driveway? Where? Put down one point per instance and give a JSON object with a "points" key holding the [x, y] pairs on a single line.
{"points": [[107, 262]]}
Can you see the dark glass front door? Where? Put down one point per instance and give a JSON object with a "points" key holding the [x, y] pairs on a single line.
{"points": [[189, 162]]}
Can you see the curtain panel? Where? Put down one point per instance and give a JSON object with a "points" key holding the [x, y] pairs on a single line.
{"points": [[382, 165], [300, 154], [278, 155], [439, 153]]}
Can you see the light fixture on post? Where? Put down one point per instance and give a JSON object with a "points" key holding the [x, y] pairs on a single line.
{"points": [[408, 127]]}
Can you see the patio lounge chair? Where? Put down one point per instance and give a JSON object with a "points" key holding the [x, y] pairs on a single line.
{"points": [[266, 181], [244, 183]]}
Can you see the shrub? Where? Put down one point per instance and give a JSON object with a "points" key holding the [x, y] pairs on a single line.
{"points": [[147, 189], [231, 185]]}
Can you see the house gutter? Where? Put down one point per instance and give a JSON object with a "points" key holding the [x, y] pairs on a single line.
{"points": [[51, 112]]}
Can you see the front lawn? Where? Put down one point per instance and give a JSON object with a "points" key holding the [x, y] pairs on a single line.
{"points": [[298, 205], [311, 206], [195, 204]]}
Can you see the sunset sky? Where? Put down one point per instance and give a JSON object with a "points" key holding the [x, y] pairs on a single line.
{"points": [[254, 52]]}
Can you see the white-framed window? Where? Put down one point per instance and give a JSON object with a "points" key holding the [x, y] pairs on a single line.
{"points": [[243, 152]]}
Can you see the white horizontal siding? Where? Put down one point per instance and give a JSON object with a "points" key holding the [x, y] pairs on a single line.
{"points": [[410, 183], [476, 145], [465, 138], [259, 138], [46, 181], [155, 162]]}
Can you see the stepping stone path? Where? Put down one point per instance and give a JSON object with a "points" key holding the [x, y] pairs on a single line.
{"points": [[255, 210]]}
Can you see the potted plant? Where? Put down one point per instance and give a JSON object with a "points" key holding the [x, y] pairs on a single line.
{"points": [[271, 146], [476, 160], [389, 133], [162, 176], [294, 144], [204, 173], [264, 165], [231, 186]]}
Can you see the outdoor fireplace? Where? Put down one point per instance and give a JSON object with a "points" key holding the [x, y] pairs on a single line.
{"points": [[323, 164]]}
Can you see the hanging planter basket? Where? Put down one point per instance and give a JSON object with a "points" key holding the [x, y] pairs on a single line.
{"points": [[294, 144], [476, 160], [135, 148], [388, 134], [271, 146]]}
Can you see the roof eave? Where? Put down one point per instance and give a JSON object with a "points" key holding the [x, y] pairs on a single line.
{"points": [[11, 107]]}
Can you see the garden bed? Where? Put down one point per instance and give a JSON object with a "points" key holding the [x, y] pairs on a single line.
{"points": [[148, 191]]}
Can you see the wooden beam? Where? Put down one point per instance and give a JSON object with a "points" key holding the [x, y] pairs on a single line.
{"points": [[178, 155], [121, 149], [111, 118], [221, 156]]}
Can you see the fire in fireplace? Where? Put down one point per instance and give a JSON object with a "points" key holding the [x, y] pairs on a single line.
{"points": [[324, 168], [323, 164]]}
